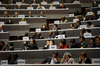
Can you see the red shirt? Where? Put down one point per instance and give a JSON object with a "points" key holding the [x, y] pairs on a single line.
{"points": [[64, 47]]}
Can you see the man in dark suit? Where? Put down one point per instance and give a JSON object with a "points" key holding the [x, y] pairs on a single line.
{"points": [[92, 43], [11, 48], [30, 14], [41, 14], [33, 45], [39, 36], [81, 43], [1, 29], [97, 41], [94, 17], [84, 18], [73, 44], [51, 60]]}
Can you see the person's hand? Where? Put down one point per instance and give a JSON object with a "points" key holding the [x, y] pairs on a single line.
{"points": [[63, 57], [53, 29], [55, 59], [47, 63]]}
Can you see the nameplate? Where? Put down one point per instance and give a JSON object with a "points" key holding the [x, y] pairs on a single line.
{"points": [[22, 23], [29, 8], [56, 2], [21, 16], [56, 22], [76, 2], [20, 62], [96, 61], [61, 36], [43, 3], [38, 30], [82, 26], [1, 23], [89, 13], [75, 20], [2, 8], [52, 7], [71, 15], [0, 3], [98, 12], [98, 5], [4, 62], [87, 34], [18, 3], [52, 46], [25, 38]]}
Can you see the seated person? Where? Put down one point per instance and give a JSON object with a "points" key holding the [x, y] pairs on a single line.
{"points": [[67, 58], [52, 60], [78, 23], [9, 21], [56, 33], [50, 35], [34, 35], [62, 6], [10, 1], [44, 27], [95, 4], [97, 42], [73, 43], [39, 36], [41, 14], [23, 1], [11, 47], [25, 46], [83, 59], [92, 43], [84, 18], [23, 20], [82, 32], [33, 45], [40, 7], [71, 26], [89, 25], [26, 34], [16, 14], [19, 7], [52, 42], [15, 58], [55, 27], [7, 7], [3, 47], [30, 5], [1, 29], [6, 14], [63, 20], [34, 1], [47, 45], [77, 13], [63, 44], [81, 43], [94, 17], [52, 1], [29, 14], [9, 58]]}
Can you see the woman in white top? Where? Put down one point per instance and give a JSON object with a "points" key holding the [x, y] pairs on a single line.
{"points": [[40, 6], [63, 20]]}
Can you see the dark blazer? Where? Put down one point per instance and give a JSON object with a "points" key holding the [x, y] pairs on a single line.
{"points": [[94, 18], [29, 16], [3, 31], [39, 37], [91, 46], [83, 45], [88, 61], [33, 47], [95, 45], [9, 23], [48, 60], [11, 49], [42, 16], [74, 46]]}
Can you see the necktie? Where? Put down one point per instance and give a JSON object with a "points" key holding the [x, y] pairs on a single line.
{"points": [[53, 62]]}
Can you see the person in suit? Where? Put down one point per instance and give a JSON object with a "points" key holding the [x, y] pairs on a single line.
{"points": [[83, 59], [1, 29], [41, 14], [23, 1], [94, 17], [55, 27], [50, 35], [63, 44], [16, 14], [9, 58], [34, 1], [92, 43], [44, 27], [51, 60], [97, 42], [29, 14], [84, 18], [9, 21], [40, 7], [73, 43], [6, 14], [33, 45], [47, 45], [62, 6], [81, 43], [34, 35], [39, 36], [78, 24], [11, 47], [95, 4], [67, 59], [25, 46]]}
